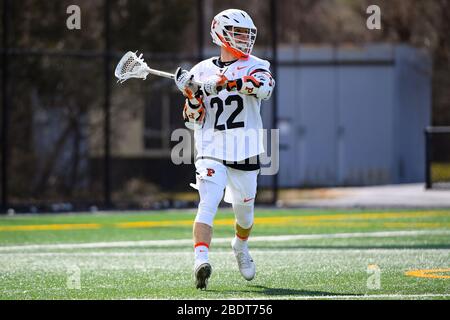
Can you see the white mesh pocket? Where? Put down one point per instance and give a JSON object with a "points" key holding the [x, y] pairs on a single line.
{"points": [[131, 66]]}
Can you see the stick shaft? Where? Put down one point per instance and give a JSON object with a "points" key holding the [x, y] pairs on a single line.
{"points": [[166, 75], [161, 73]]}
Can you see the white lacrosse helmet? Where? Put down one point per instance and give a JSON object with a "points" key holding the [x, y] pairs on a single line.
{"points": [[235, 31]]}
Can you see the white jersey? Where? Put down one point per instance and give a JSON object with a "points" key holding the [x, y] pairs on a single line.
{"points": [[232, 129]]}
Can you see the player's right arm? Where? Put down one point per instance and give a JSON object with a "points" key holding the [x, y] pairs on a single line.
{"points": [[194, 109]]}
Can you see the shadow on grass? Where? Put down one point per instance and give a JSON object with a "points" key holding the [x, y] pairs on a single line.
{"points": [[353, 247], [266, 291]]}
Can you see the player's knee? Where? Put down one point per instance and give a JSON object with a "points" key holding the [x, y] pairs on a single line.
{"points": [[206, 213], [210, 196], [244, 215], [245, 223]]}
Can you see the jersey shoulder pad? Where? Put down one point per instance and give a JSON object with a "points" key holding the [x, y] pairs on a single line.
{"points": [[258, 63], [201, 66]]}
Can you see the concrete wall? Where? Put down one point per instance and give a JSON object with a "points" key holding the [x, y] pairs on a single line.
{"points": [[351, 115]]}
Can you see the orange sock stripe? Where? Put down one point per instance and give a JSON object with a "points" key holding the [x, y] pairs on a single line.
{"points": [[242, 238], [201, 244]]}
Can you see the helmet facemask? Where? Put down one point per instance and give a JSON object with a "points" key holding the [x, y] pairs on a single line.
{"points": [[241, 39]]}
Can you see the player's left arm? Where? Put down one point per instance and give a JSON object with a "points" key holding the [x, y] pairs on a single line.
{"points": [[259, 83]]}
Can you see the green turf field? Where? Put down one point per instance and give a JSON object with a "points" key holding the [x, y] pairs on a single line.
{"points": [[299, 254]]}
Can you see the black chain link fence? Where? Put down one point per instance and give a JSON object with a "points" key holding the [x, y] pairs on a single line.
{"points": [[72, 139], [437, 157]]}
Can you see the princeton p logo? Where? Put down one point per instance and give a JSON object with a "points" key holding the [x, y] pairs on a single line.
{"points": [[210, 172]]}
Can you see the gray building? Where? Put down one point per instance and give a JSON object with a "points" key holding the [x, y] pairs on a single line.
{"points": [[351, 115]]}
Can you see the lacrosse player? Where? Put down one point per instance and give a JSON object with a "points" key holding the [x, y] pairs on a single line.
{"points": [[224, 113]]}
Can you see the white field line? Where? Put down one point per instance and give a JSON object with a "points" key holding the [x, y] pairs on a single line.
{"points": [[182, 242], [294, 297], [377, 296], [217, 252], [334, 297]]}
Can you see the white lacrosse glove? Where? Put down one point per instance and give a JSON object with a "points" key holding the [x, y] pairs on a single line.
{"points": [[261, 85], [194, 110], [184, 82], [194, 114], [214, 84]]}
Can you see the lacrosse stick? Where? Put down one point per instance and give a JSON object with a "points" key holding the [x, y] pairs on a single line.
{"points": [[132, 66]]}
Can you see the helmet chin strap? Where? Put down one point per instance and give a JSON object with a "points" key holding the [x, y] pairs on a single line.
{"points": [[226, 55], [236, 53]]}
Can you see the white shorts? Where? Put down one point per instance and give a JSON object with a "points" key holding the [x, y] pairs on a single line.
{"points": [[240, 186]]}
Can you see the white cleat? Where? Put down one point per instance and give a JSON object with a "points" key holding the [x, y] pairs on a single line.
{"points": [[245, 262]]}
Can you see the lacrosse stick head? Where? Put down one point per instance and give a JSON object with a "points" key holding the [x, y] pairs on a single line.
{"points": [[131, 66]]}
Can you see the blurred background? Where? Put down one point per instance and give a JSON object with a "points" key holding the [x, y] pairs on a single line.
{"points": [[355, 107]]}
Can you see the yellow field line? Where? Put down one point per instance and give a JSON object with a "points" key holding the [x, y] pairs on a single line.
{"points": [[287, 220], [154, 224], [230, 222], [430, 273], [331, 220], [361, 216]]}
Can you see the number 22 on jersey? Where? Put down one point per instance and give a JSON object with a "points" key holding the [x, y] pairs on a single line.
{"points": [[233, 106]]}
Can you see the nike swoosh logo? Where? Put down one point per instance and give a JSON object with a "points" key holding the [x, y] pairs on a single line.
{"points": [[240, 68], [247, 200]]}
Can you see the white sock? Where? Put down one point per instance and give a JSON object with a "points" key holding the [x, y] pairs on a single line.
{"points": [[238, 243], [201, 253]]}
